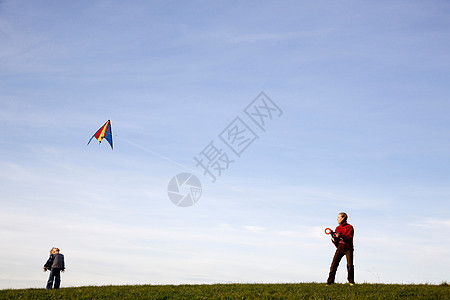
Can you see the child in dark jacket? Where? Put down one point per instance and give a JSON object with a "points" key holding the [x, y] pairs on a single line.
{"points": [[49, 262]]}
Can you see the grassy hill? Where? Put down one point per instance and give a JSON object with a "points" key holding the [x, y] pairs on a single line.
{"points": [[239, 291]]}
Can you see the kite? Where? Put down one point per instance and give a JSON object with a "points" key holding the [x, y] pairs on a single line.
{"points": [[104, 132]]}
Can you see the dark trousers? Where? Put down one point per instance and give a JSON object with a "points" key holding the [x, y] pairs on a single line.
{"points": [[55, 275], [340, 252]]}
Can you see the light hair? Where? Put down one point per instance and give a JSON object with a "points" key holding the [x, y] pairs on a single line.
{"points": [[54, 250]]}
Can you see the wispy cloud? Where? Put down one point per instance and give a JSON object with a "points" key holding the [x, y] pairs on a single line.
{"points": [[262, 37], [430, 223]]}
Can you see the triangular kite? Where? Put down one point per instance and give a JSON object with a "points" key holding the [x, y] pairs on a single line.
{"points": [[104, 132]]}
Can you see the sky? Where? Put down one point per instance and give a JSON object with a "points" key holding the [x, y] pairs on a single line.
{"points": [[354, 100]]}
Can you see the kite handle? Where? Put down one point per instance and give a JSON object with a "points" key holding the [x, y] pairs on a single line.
{"points": [[329, 231]]}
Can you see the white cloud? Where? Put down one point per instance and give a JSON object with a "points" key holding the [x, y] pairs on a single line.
{"points": [[254, 229], [430, 223]]}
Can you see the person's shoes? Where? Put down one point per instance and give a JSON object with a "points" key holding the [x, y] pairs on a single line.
{"points": [[351, 283], [328, 284]]}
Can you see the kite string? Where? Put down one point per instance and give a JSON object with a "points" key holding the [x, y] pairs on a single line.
{"points": [[232, 187], [157, 154]]}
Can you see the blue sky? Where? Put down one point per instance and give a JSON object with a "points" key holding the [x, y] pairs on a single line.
{"points": [[363, 87]]}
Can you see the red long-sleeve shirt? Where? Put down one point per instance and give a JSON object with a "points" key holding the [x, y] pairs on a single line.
{"points": [[346, 233]]}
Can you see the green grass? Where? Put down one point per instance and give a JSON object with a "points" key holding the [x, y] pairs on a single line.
{"points": [[239, 291]]}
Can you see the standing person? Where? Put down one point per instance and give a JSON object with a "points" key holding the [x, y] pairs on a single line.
{"points": [[343, 240], [56, 268]]}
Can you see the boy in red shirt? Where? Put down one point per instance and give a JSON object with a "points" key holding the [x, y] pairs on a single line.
{"points": [[343, 240]]}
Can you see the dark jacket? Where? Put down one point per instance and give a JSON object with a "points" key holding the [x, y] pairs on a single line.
{"points": [[48, 264], [58, 262]]}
